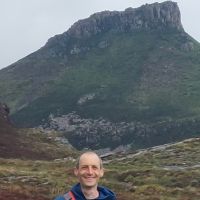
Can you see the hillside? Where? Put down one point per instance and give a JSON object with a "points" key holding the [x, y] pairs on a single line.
{"points": [[29, 144], [169, 172], [115, 78], [7, 132]]}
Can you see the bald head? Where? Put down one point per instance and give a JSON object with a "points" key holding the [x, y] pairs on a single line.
{"points": [[88, 155]]}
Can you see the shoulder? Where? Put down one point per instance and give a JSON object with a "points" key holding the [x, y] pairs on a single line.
{"points": [[67, 196], [106, 193]]}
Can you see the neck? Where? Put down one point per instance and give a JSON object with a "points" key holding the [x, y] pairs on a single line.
{"points": [[90, 193]]}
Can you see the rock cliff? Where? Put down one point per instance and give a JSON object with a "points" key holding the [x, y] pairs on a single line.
{"points": [[149, 16]]}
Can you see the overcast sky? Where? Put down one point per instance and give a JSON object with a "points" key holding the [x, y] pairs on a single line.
{"points": [[26, 25]]}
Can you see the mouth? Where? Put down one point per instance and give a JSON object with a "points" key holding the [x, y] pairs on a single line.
{"points": [[90, 178]]}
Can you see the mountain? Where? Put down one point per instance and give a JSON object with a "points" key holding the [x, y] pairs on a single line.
{"points": [[115, 78]]}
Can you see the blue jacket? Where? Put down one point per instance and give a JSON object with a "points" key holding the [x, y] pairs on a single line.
{"points": [[104, 193]]}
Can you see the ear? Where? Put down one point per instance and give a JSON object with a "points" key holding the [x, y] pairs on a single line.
{"points": [[102, 172], [75, 171]]}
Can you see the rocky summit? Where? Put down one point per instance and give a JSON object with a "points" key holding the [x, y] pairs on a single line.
{"points": [[148, 17], [128, 78]]}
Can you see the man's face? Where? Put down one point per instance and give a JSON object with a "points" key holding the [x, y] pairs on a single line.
{"points": [[89, 170]]}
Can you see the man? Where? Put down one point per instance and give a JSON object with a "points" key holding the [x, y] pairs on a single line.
{"points": [[88, 170]]}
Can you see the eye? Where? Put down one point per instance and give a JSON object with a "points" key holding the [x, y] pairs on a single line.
{"points": [[84, 167], [94, 167]]}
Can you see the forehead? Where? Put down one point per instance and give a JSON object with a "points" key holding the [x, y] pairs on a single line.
{"points": [[89, 159]]}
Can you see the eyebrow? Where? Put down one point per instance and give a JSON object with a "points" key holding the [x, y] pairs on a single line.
{"points": [[98, 166]]}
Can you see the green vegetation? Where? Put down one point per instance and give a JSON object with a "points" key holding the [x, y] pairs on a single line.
{"points": [[146, 77], [139, 76]]}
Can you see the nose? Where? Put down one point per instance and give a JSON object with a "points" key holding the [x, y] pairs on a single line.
{"points": [[90, 170]]}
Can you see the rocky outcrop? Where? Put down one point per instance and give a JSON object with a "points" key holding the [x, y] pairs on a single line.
{"points": [[4, 111], [149, 16], [88, 133], [101, 133]]}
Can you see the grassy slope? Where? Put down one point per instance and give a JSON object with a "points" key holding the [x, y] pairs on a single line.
{"points": [[162, 174], [140, 76], [32, 144]]}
